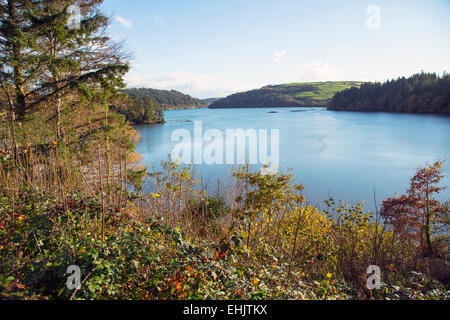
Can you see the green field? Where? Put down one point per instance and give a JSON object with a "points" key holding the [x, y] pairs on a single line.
{"points": [[318, 91], [301, 94]]}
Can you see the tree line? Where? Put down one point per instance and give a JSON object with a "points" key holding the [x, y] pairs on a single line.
{"points": [[420, 93], [139, 109], [146, 105], [168, 99]]}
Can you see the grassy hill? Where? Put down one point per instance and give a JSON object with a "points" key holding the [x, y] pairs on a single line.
{"points": [[302, 94], [319, 91]]}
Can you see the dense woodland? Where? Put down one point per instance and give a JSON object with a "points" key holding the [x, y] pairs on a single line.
{"points": [[168, 99], [421, 93], [71, 194], [209, 101], [139, 109], [146, 106]]}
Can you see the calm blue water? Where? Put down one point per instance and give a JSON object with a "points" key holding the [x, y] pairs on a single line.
{"points": [[341, 154]]}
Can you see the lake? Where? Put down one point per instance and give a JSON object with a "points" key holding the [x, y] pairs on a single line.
{"points": [[346, 155]]}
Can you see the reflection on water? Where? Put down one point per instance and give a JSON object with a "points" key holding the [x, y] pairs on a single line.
{"points": [[342, 154]]}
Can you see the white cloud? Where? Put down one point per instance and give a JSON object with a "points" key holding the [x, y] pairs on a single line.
{"points": [[278, 55], [124, 22], [157, 19], [196, 85], [318, 71]]}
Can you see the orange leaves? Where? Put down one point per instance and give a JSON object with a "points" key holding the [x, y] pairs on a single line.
{"points": [[183, 281], [224, 250], [413, 213], [221, 256], [15, 285], [191, 272]]}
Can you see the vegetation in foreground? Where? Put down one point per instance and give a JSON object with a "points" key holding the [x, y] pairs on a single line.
{"points": [[67, 163], [259, 241]]}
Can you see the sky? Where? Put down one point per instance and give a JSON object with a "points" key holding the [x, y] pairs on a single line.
{"points": [[213, 48]]}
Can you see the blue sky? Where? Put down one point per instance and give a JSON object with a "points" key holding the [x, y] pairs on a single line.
{"points": [[212, 48]]}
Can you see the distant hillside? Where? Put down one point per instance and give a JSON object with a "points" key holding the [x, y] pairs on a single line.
{"points": [[211, 100], [305, 94], [168, 99], [421, 93]]}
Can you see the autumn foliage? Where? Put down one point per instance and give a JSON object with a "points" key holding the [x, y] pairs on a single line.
{"points": [[413, 214]]}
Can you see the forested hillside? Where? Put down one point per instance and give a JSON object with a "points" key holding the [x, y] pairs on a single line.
{"points": [[146, 106], [210, 100], [287, 95], [421, 93], [167, 99], [139, 109]]}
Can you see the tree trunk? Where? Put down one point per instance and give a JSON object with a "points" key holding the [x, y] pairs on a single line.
{"points": [[428, 225], [20, 107]]}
